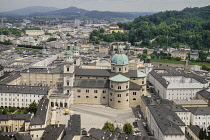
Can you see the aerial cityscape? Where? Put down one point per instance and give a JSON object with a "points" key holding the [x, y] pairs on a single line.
{"points": [[104, 70]]}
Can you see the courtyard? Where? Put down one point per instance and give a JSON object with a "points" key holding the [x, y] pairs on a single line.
{"points": [[96, 115]]}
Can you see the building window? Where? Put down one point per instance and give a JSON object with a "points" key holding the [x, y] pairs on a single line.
{"points": [[111, 86], [78, 90], [110, 99], [67, 69], [87, 91], [95, 97], [104, 91], [142, 82], [119, 69], [78, 96], [87, 96], [134, 99], [113, 68], [110, 94], [119, 101], [142, 89], [126, 94], [104, 97], [119, 87], [126, 86], [67, 91], [95, 91], [67, 83], [118, 95], [134, 93], [127, 100]]}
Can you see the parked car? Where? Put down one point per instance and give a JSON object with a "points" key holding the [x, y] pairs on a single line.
{"points": [[84, 132], [137, 132], [144, 124], [135, 125], [139, 115]]}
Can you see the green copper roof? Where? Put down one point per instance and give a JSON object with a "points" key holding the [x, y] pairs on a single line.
{"points": [[119, 78], [141, 74], [68, 53], [75, 48], [120, 59]]}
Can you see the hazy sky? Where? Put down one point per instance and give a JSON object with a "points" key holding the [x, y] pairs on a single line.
{"points": [[107, 5]]}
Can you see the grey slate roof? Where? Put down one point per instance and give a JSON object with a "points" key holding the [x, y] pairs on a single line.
{"points": [[167, 120], [24, 89], [74, 125], [204, 93], [91, 83], [134, 86], [43, 70], [22, 136], [103, 73], [92, 72], [199, 110], [52, 132], [154, 100], [97, 134], [171, 71], [10, 78], [41, 114], [195, 129], [6, 117]]}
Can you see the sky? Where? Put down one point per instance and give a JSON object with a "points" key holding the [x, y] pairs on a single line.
{"points": [[107, 5]]}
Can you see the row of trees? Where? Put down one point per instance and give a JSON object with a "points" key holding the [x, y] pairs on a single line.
{"points": [[127, 127], [15, 31], [30, 46], [171, 28], [32, 109]]}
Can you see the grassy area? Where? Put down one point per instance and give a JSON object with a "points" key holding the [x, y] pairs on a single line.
{"points": [[27, 49], [180, 62], [14, 110]]}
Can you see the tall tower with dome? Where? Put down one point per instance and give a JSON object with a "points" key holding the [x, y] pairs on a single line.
{"points": [[119, 84]]}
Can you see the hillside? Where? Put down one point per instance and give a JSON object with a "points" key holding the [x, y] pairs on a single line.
{"points": [[78, 13], [191, 27], [30, 10]]}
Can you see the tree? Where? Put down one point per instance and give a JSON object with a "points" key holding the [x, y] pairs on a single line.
{"points": [[101, 30], [51, 39], [4, 111], [145, 51], [32, 107], [127, 128], [108, 126]]}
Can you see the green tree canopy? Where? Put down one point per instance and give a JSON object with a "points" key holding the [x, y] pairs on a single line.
{"points": [[4, 111], [127, 128], [108, 126], [32, 107]]}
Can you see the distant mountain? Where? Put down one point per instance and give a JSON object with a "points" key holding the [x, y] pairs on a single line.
{"points": [[61, 12], [30, 10], [77, 13]]}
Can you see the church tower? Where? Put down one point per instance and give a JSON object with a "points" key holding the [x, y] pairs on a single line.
{"points": [[68, 74]]}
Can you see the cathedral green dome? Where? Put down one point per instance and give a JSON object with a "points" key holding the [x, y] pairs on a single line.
{"points": [[75, 48], [120, 59], [68, 53]]}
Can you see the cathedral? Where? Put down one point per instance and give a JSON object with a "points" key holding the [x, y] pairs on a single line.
{"points": [[118, 87]]}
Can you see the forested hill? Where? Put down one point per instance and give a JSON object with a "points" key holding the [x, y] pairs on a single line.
{"points": [[191, 27]]}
